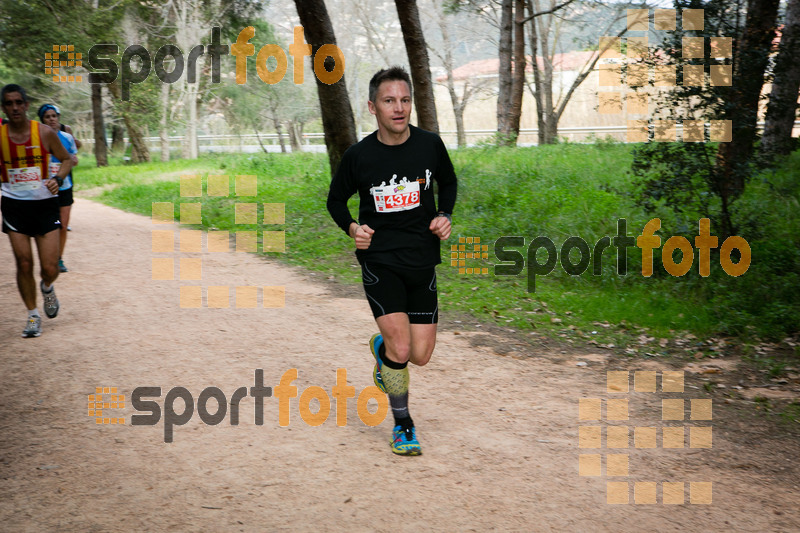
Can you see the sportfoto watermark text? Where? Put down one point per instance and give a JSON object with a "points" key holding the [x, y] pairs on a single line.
{"points": [[106, 69], [142, 402], [647, 241]]}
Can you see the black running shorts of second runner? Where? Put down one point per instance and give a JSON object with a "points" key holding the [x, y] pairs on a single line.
{"points": [[65, 197], [30, 217], [401, 290]]}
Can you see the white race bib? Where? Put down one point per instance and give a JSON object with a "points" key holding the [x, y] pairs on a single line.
{"points": [[54, 168], [24, 179], [394, 198]]}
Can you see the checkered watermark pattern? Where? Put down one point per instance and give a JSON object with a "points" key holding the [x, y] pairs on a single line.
{"points": [[56, 62], [624, 72], [216, 241], [469, 248], [105, 398], [617, 438]]}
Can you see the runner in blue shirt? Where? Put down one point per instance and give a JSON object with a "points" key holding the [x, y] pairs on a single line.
{"points": [[49, 114]]}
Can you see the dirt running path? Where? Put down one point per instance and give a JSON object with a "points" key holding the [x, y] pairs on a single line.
{"points": [[500, 434]]}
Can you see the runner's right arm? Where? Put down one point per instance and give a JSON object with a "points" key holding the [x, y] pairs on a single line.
{"points": [[78, 144], [54, 146], [343, 186], [73, 150]]}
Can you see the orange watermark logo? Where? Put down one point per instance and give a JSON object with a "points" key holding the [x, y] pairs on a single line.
{"points": [[105, 398], [63, 55], [469, 248], [299, 49]]}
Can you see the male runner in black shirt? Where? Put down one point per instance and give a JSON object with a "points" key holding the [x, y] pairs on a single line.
{"points": [[397, 236]]}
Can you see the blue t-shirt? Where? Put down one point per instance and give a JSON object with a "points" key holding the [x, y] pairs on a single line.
{"points": [[69, 143]]}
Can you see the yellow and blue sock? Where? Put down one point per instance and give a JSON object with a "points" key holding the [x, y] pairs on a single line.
{"points": [[395, 379]]}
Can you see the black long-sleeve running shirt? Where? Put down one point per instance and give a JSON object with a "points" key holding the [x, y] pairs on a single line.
{"points": [[386, 178]]}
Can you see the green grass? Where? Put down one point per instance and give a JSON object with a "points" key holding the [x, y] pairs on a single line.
{"points": [[553, 191]]}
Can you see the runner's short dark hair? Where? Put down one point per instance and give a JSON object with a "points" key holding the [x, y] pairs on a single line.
{"points": [[395, 73], [12, 88]]}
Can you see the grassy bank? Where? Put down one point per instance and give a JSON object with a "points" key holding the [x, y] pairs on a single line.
{"points": [[553, 191]]}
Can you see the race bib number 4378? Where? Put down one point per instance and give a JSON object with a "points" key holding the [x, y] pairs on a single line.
{"points": [[393, 198]]}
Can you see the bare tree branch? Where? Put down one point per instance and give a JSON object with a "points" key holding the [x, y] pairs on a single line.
{"points": [[549, 11]]}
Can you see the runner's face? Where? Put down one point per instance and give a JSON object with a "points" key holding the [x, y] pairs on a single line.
{"points": [[392, 107], [51, 119], [15, 107]]}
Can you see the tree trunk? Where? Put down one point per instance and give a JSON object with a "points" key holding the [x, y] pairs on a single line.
{"points": [[163, 132], [186, 142], [261, 144], [458, 106], [278, 128], [117, 139], [504, 74], [281, 140], [337, 115], [295, 129], [548, 111], [139, 151], [518, 80], [753, 54], [458, 111], [778, 124], [188, 24], [550, 128], [191, 120], [537, 78], [414, 39], [100, 146]]}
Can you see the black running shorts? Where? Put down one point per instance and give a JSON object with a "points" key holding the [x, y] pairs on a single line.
{"points": [[65, 197], [30, 217], [401, 290]]}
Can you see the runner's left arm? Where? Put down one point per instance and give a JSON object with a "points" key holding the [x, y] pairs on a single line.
{"points": [[448, 183], [448, 187]]}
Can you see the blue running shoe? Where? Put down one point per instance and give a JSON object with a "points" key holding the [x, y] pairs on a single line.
{"points": [[375, 346], [404, 441]]}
